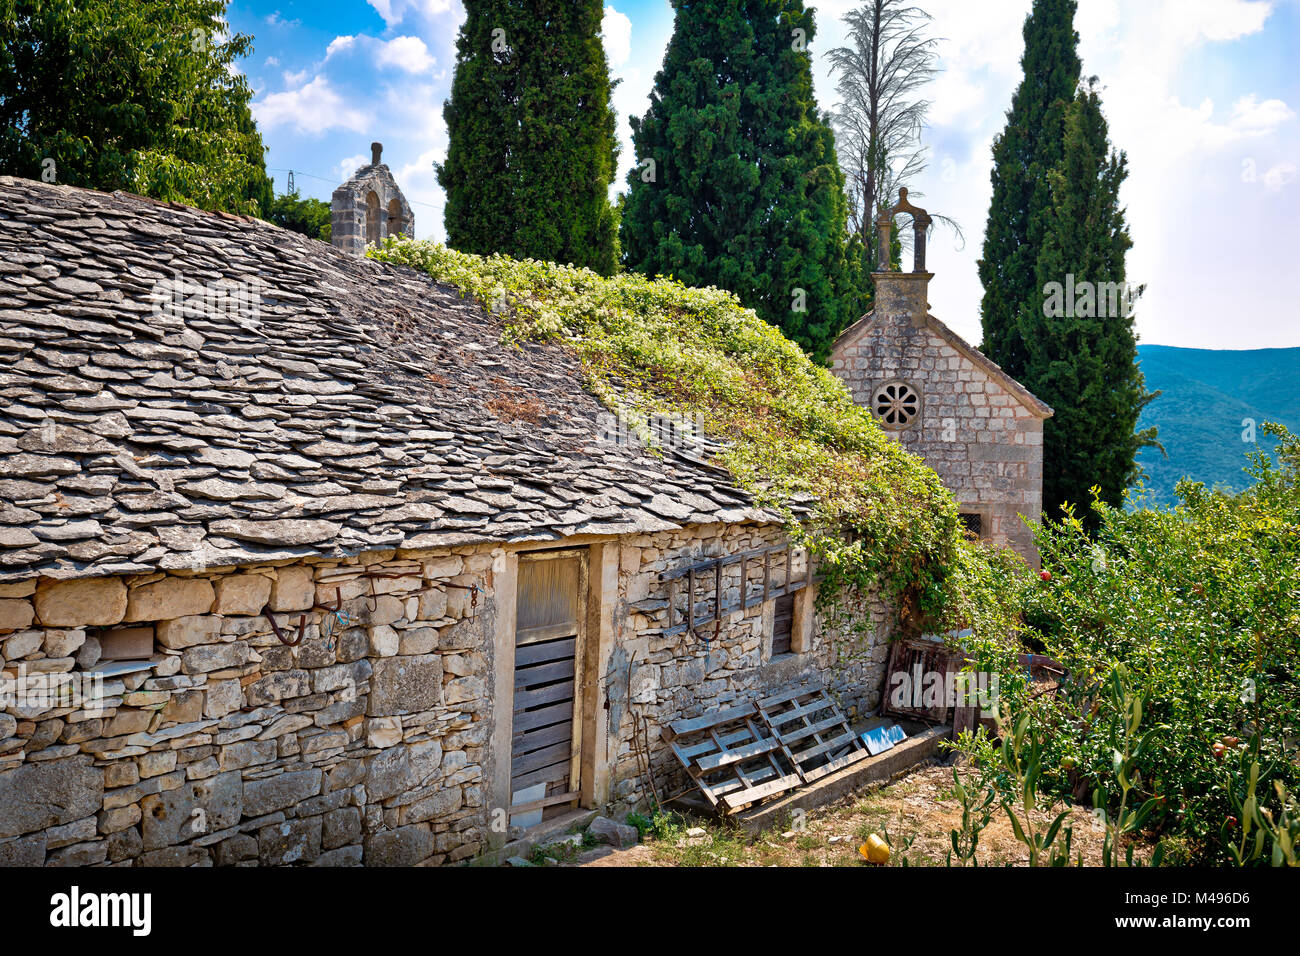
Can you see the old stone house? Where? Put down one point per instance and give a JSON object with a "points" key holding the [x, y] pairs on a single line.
{"points": [[369, 207], [299, 564], [976, 426]]}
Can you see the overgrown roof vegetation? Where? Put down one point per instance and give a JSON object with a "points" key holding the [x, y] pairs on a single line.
{"points": [[879, 515]]}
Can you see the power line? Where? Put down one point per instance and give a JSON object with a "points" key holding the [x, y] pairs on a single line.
{"points": [[299, 172]]}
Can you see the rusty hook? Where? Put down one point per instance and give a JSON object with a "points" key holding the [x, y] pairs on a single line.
{"points": [[302, 628]]}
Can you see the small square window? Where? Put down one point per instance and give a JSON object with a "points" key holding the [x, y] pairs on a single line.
{"points": [[973, 522]]}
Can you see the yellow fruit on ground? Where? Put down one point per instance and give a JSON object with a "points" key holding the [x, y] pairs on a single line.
{"points": [[875, 850]]}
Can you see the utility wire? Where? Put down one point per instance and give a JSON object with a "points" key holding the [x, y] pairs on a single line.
{"points": [[299, 172]]}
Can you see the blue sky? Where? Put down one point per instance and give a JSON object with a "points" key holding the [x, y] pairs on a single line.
{"points": [[1202, 94]]}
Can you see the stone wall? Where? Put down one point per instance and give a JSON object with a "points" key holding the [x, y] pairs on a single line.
{"points": [[373, 745], [235, 749], [986, 446], [677, 677]]}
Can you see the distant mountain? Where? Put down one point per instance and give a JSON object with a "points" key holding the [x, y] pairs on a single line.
{"points": [[1208, 395]]}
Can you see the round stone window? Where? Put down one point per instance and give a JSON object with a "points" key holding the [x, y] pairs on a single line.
{"points": [[896, 404]]}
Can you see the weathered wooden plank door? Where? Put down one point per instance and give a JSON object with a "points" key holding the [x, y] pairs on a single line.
{"points": [[549, 629]]}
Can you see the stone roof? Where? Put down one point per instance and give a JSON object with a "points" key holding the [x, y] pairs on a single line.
{"points": [[1035, 405], [358, 406]]}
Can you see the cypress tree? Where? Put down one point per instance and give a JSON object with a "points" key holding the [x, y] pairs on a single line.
{"points": [[1081, 350], [532, 147], [736, 182], [1029, 146]]}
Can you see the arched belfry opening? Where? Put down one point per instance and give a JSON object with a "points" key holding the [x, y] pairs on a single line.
{"points": [[369, 207], [372, 217], [394, 227]]}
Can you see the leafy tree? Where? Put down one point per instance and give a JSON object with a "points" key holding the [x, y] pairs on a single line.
{"points": [[137, 96], [736, 183], [1029, 146], [311, 217], [532, 148], [1083, 361]]}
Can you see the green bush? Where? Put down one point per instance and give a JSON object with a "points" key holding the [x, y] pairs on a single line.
{"points": [[1200, 604]]}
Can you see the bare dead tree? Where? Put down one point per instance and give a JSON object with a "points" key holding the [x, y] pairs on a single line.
{"points": [[879, 117]]}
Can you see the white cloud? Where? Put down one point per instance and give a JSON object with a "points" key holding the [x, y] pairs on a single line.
{"points": [[406, 53], [1253, 118], [312, 108], [272, 61], [350, 164], [616, 28], [395, 11], [341, 44], [1216, 20]]}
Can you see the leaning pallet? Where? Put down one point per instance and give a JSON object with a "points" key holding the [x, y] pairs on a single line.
{"points": [[753, 751], [814, 735], [731, 757]]}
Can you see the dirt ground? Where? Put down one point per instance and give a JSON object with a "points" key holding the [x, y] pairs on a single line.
{"points": [[918, 810]]}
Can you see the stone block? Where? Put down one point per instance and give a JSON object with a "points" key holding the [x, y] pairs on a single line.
{"points": [[293, 589], [404, 846], [183, 632], [283, 790], [192, 810], [49, 793], [402, 768], [242, 594], [170, 598], [405, 685], [294, 841], [90, 602]]}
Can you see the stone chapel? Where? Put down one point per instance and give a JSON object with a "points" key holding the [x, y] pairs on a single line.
{"points": [[943, 399], [369, 207]]}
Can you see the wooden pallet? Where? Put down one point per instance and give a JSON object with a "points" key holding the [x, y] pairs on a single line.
{"points": [[750, 752], [815, 738], [731, 757]]}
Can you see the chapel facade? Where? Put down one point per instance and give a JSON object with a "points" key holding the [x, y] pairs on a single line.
{"points": [[976, 426]]}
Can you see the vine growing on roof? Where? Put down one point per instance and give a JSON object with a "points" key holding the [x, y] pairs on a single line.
{"points": [[878, 518]]}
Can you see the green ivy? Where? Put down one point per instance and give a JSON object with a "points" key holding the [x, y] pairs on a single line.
{"points": [[875, 516]]}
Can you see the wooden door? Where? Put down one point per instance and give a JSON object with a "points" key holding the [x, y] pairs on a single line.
{"points": [[550, 622]]}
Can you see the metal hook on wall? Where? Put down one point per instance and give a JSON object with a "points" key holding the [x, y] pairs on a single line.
{"points": [[302, 629]]}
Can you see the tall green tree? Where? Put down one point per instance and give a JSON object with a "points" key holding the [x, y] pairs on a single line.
{"points": [[136, 96], [532, 148], [1081, 350], [736, 182], [1029, 146]]}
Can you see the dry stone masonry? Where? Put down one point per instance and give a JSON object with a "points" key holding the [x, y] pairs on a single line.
{"points": [[263, 506], [369, 207]]}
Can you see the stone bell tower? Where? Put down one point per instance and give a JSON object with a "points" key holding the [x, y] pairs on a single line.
{"points": [[937, 396], [369, 207]]}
